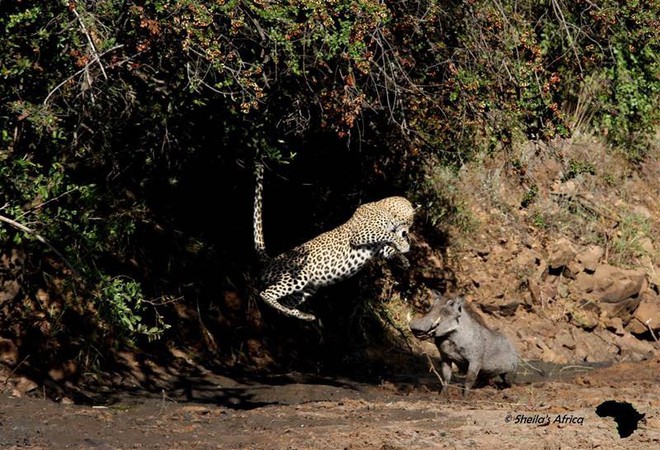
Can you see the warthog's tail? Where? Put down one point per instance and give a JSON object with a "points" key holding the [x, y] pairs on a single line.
{"points": [[536, 369]]}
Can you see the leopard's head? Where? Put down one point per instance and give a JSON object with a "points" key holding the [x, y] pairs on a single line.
{"points": [[401, 210]]}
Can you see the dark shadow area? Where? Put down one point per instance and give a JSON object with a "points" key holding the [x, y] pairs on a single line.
{"points": [[198, 250], [239, 391]]}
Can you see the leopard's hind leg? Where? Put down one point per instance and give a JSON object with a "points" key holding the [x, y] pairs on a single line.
{"points": [[273, 294]]}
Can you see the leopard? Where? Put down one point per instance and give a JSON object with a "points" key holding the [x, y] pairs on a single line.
{"points": [[378, 229]]}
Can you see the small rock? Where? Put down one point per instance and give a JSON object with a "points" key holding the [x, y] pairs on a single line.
{"points": [[479, 278], [549, 291], [585, 315], [564, 339], [647, 315], [655, 280], [541, 270], [589, 258], [561, 253], [535, 291], [540, 294], [527, 259], [551, 356], [609, 284], [540, 343], [646, 244], [56, 374], [652, 273], [26, 385], [642, 211], [624, 309], [9, 289], [614, 324], [43, 296], [8, 352], [569, 188], [633, 349], [581, 352], [482, 251]]}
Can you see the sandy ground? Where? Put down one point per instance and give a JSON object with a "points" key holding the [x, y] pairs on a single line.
{"points": [[297, 412]]}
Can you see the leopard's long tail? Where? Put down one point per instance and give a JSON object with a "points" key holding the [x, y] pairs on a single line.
{"points": [[259, 242]]}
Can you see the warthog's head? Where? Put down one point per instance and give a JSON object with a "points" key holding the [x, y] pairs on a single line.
{"points": [[441, 320]]}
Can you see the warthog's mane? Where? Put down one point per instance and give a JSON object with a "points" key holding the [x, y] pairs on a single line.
{"points": [[472, 311]]}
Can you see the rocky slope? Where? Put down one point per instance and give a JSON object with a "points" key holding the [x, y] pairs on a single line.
{"points": [[560, 249]]}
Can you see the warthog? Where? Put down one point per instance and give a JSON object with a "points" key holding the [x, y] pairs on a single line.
{"points": [[465, 340]]}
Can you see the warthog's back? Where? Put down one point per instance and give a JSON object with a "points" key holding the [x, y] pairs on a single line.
{"points": [[499, 355]]}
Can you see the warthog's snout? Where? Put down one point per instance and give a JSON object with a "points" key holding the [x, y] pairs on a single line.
{"points": [[441, 319], [423, 328]]}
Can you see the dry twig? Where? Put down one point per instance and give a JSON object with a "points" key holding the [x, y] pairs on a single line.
{"points": [[432, 369], [92, 47], [41, 239]]}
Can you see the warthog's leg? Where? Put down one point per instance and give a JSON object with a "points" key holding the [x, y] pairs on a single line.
{"points": [[473, 370], [445, 371], [509, 378]]}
